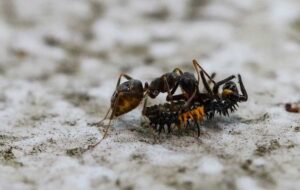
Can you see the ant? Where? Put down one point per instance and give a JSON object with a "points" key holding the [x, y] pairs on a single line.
{"points": [[129, 94], [169, 82]]}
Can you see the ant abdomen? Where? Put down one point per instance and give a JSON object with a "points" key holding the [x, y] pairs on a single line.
{"points": [[127, 97]]}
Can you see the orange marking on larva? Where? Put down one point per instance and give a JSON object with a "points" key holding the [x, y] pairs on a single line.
{"points": [[180, 119], [185, 119], [201, 111], [196, 114], [190, 115]]}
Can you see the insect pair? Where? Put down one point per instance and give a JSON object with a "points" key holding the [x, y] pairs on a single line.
{"points": [[195, 107], [191, 104]]}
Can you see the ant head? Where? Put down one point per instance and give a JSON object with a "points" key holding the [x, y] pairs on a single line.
{"points": [[229, 90], [153, 89]]}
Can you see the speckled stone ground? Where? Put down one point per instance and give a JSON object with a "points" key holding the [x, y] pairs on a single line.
{"points": [[59, 63]]}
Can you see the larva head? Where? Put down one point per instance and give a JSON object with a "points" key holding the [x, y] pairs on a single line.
{"points": [[230, 90]]}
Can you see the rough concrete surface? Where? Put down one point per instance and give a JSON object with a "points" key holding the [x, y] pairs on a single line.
{"points": [[59, 64]]}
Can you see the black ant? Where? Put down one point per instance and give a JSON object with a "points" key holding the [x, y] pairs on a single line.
{"points": [[169, 82], [129, 94]]}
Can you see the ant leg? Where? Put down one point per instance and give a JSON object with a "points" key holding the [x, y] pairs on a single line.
{"points": [[123, 75], [118, 83], [153, 131], [188, 125], [145, 96], [101, 122], [144, 106], [212, 76], [173, 90], [218, 84], [146, 89], [107, 128], [177, 97], [244, 96], [169, 128], [160, 128], [189, 101], [198, 129], [168, 89], [205, 83], [170, 97], [196, 64]]}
